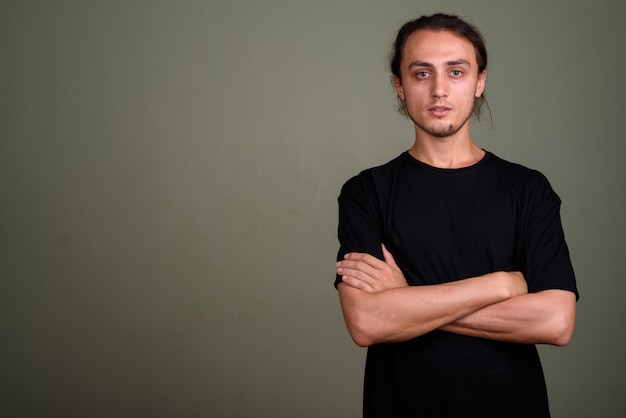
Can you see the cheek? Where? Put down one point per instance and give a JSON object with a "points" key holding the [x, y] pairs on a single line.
{"points": [[416, 92], [470, 92]]}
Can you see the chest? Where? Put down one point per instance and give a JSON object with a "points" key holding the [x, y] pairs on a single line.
{"points": [[452, 227]]}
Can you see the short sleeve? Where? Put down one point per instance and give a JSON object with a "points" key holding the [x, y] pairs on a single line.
{"points": [[543, 252], [359, 227]]}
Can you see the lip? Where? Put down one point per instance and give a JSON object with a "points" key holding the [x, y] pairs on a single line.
{"points": [[439, 111]]}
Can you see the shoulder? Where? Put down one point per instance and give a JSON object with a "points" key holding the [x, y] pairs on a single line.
{"points": [[513, 169], [519, 173], [375, 179], [525, 181]]}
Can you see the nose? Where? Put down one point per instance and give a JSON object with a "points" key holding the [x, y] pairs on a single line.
{"points": [[440, 86]]}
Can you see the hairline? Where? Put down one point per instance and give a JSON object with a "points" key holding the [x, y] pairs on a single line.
{"points": [[458, 35]]}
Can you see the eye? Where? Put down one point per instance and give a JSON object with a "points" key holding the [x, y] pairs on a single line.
{"points": [[421, 74], [456, 73]]}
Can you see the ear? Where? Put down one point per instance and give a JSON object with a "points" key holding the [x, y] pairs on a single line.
{"points": [[397, 84], [480, 86]]}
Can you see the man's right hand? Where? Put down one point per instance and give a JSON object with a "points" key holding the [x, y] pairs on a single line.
{"points": [[514, 282]]}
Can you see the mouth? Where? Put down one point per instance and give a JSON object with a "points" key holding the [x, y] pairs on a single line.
{"points": [[439, 111]]}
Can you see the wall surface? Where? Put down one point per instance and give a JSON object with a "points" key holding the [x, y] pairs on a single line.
{"points": [[168, 181]]}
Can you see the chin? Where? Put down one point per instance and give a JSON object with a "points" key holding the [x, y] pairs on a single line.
{"points": [[442, 131]]}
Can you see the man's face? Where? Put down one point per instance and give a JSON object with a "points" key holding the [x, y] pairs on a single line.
{"points": [[440, 81]]}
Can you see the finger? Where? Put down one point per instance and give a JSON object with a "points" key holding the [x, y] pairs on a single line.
{"points": [[366, 258], [357, 274], [357, 284], [358, 268], [389, 257]]}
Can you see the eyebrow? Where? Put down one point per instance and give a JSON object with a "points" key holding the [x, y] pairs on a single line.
{"points": [[429, 65]]}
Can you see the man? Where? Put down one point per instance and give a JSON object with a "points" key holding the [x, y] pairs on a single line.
{"points": [[452, 262]]}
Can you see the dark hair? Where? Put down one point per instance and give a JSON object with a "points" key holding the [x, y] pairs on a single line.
{"points": [[440, 22]]}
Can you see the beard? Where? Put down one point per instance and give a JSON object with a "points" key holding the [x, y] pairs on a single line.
{"points": [[443, 130]]}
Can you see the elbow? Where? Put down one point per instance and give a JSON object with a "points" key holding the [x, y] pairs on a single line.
{"points": [[562, 330], [562, 336], [358, 315], [560, 340], [361, 340], [559, 320], [360, 331]]}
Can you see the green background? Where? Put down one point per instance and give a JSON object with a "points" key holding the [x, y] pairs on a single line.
{"points": [[168, 181]]}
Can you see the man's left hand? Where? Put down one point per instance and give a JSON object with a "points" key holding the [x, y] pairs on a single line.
{"points": [[368, 273]]}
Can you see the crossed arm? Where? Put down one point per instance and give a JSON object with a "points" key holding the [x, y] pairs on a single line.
{"points": [[379, 306]]}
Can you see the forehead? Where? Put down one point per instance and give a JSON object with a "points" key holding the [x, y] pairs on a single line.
{"points": [[436, 47]]}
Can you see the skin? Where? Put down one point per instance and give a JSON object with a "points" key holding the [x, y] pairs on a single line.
{"points": [[439, 82]]}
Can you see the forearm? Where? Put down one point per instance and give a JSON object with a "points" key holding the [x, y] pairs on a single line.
{"points": [[545, 317], [403, 313]]}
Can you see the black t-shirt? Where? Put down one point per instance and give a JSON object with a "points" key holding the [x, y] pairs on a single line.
{"points": [[443, 225]]}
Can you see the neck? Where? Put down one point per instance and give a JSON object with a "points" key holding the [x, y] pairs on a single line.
{"points": [[456, 151]]}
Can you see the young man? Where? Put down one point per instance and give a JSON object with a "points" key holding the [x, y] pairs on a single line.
{"points": [[452, 262]]}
